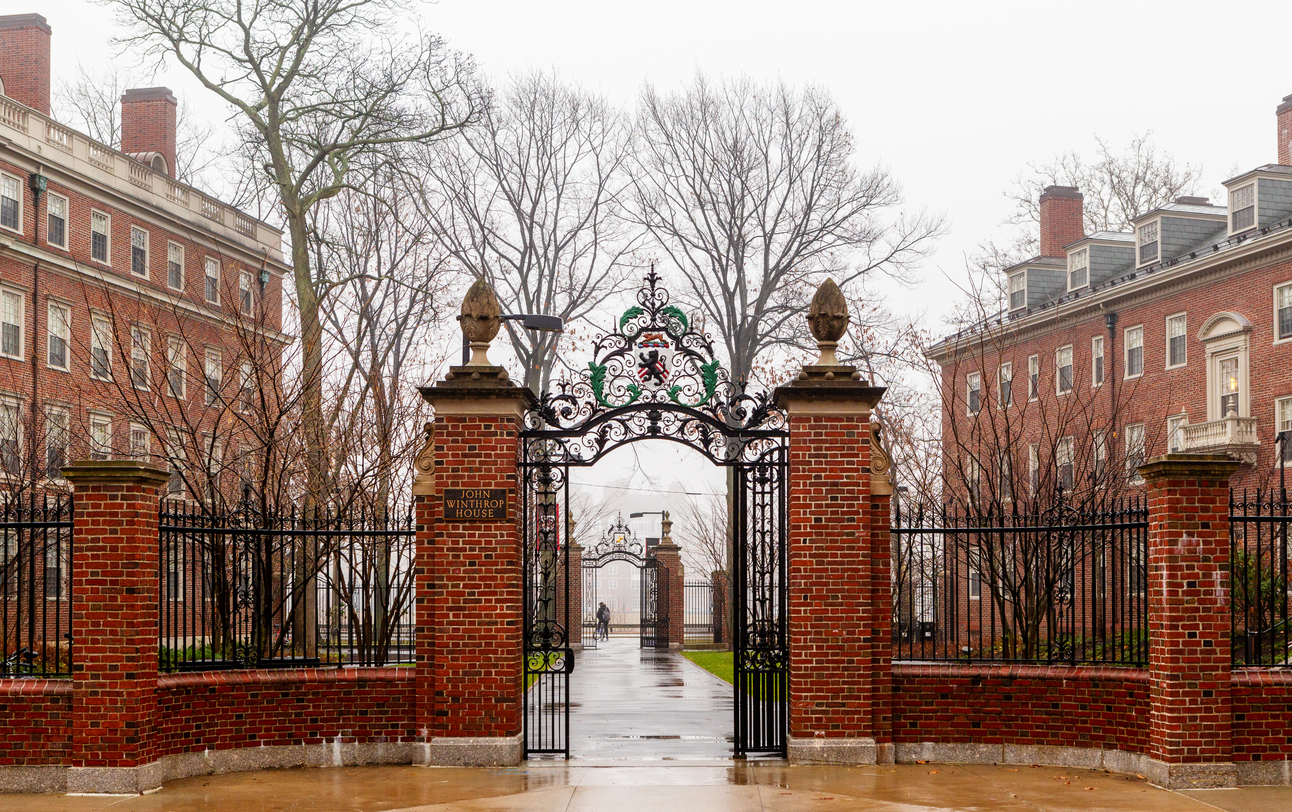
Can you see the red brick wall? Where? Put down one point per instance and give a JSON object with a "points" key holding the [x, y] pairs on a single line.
{"points": [[1262, 704], [24, 59], [148, 123], [1284, 114], [36, 717], [226, 709], [1082, 706], [1061, 223]]}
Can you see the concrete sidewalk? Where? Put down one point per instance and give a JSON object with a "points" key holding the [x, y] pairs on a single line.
{"points": [[773, 787]]}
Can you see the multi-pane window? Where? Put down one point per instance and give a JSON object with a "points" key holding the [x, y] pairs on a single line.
{"points": [[213, 373], [1078, 269], [1004, 477], [1134, 450], [1242, 207], [1134, 351], [1148, 242], [1063, 463], [56, 230], [1175, 433], [58, 424], [975, 585], [1096, 360], [973, 477], [1176, 352], [1283, 414], [10, 202], [1283, 306], [176, 366], [175, 266], [10, 436], [140, 352], [1100, 456], [54, 567], [139, 442], [244, 292], [974, 394], [214, 466], [59, 332], [1033, 377], [212, 280], [12, 311], [246, 387], [1017, 290], [1063, 370], [1033, 468], [100, 348], [1005, 385], [1227, 379], [100, 233], [100, 436], [138, 252], [175, 458]]}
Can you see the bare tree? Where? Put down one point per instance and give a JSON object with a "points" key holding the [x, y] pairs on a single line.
{"points": [[530, 200], [752, 191], [316, 87], [701, 529]]}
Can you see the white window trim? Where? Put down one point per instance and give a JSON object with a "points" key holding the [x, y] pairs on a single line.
{"points": [[1139, 263], [1033, 394], [1098, 341], [16, 403], [50, 408], [1256, 207], [1274, 302], [22, 323], [107, 263], [147, 251], [1167, 344], [1009, 283], [971, 580], [1126, 348], [1179, 421], [182, 269], [67, 339], [182, 365], [1277, 401], [1133, 475], [218, 275], [130, 440], [1071, 258], [1001, 402], [67, 216], [969, 410], [103, 418], [147, 341], [1071, 375], [96, 318], [245, 276], [21, 204], [210, 398]]}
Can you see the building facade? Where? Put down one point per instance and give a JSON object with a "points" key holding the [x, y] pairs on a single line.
{"points": [[1112, 348], [138, 315]]}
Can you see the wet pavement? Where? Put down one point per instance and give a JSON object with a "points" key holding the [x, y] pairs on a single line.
{"points": [[633, 704]]}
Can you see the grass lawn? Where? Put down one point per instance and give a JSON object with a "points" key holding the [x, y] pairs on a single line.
{"points": [[717, 663]]}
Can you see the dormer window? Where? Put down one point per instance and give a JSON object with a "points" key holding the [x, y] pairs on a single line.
{"points": [[1017, 290], [1242, 208], [1148, 243], [1078, 267]]}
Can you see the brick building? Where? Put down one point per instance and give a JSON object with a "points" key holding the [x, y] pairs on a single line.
{"points": [[1112, 348], [127, 298]]}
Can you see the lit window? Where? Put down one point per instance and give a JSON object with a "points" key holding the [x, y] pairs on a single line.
{"points": [[58, 325], [1005, 385], [1148, 242], [974, 394], [1134, 451], [100, 436], [1063, 370], [139, 252], [139, 442], [1079, 265], [1096, 360], [140, 348], [100, 349], [1283, 306], [1228, 382], [213, 374], [1283, 413], [176, 366], [1242, 208], [10, 436], [1134, 351], [10, 202], [1017, 290], [1033, 377], [58, 424], [12, 316], [56, 231], [175, 266], [212, 280], [100, 233], [1176, 353], [1175, 433], [244, 292]]}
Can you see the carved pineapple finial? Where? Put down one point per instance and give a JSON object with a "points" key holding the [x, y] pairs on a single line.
{"points": [[828, 319], [480, 321]]}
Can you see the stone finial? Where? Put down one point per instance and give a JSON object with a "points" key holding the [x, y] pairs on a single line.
{"points": [[666, 529], [481, 317], [828, 318]]}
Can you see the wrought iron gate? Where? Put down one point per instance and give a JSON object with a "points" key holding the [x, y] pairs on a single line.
{"points": [[657, 378], [588, 609], [654, 604]]}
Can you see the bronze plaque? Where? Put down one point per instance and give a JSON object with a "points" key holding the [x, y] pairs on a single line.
{"points": [[475, 504]]}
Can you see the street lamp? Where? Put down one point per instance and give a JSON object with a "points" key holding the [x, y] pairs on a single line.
{"points": [[530, 321]]}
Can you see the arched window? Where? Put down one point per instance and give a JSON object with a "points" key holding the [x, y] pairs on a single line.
{"points": [[1225, 338]]}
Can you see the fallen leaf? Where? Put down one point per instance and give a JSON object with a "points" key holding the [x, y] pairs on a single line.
{"points": [[934, 772], [1089, 787]]}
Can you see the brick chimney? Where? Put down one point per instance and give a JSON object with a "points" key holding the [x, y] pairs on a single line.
{"points": [[24, 59], [148, 116], [1060, 219], [1285, 131]]}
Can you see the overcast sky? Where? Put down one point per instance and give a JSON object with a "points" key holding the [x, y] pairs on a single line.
{"points": [[955, 98]]}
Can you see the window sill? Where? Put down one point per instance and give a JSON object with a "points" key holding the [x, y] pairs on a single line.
{"points": [[1177, 366]]}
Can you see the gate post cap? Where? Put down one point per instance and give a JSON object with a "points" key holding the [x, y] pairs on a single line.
{"points": [[481, 318]]}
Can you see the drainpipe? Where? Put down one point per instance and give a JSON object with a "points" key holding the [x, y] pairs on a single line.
{"points": [[1110, 365], [36, 181]]}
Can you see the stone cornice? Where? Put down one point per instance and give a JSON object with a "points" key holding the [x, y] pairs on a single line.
{"points": [[1215, 467], [114, 472]]}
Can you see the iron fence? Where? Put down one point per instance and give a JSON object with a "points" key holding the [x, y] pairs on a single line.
{"points": [[697, 629], [36, 582], [1062, 584], [255, 589], [1258, 537]]}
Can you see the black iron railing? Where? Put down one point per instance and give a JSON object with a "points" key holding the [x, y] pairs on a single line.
{"points": [[1062, 584], [250, 589], [36, 585], [698, 609], [1258, 535]]}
